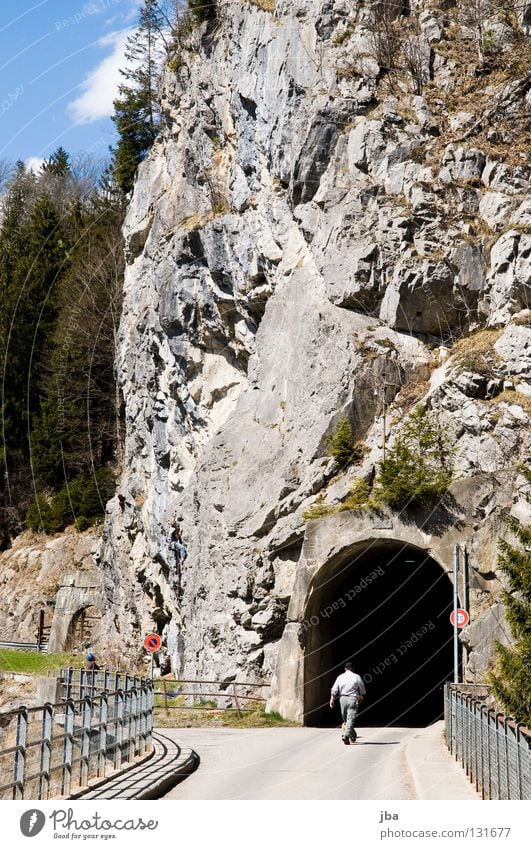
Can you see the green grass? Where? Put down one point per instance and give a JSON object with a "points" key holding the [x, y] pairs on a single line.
{"points": [[30, 662]]}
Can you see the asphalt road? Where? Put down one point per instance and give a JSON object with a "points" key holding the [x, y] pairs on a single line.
{"points": [[295, 763]]}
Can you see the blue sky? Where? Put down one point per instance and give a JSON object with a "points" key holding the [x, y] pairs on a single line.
{"points": [[59, 62]]}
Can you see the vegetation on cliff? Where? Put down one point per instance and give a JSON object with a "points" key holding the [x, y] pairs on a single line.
{"points": [[511, 681]]}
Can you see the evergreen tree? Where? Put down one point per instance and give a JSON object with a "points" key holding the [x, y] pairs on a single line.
{"points": [[137, 108], [417, 468], [78, 426], [61, 272], [511, 681], [202, 10], [58, 164]]}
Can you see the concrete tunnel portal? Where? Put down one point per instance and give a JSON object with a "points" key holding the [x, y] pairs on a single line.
{"points": [[387, 610]]}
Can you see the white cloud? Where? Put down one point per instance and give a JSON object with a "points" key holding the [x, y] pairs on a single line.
{"points": [[34, 163], [101, 86]]}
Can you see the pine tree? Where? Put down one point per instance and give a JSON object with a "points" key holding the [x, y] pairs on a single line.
{"points": [[511, 681], [137, 109], [417, 469]]}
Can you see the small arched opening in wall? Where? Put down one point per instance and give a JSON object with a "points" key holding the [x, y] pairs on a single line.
{"points": [[386, 607], [83, 628]]}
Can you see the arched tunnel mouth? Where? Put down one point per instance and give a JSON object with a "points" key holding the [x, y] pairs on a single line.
{"points": [[386, 608]]}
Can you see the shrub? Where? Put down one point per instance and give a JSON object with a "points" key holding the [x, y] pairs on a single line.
{"points": [[417, 469], [359, 498], [318, 510], [340, 444]]}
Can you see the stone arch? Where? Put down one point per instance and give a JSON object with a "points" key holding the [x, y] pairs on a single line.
{"points": [[78, 609], [386, 608], [343, 544]]}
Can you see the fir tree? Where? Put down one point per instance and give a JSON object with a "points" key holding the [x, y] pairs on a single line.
{"points": [[511, 680], [137, 108], [417, 468]]}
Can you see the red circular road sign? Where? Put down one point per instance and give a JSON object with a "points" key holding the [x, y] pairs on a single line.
{"points": [[462, 617], [152, 642]]}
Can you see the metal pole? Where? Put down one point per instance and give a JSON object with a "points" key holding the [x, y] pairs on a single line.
{"points": [[465, 604], [384, 415], [40, 632], [456, 641]]}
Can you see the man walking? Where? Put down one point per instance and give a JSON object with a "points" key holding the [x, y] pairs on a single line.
{"points": [[350, 689]]}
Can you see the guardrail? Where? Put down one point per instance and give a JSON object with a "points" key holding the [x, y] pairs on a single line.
{"points": [[54, 749], [494, 750], [24, 646], [231, 692]]}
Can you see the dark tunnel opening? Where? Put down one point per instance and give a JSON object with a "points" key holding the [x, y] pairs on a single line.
{"points": [[388, 611]]}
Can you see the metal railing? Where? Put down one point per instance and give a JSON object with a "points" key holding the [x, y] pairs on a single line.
{"points": [[177, 695], [78, 683], [54, 749], [494, 750]]}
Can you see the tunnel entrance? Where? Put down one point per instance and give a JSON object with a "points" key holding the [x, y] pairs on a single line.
{"points": [[387, 610]]}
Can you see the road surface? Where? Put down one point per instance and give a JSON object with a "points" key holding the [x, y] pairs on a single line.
{"points": [[295, 763]]}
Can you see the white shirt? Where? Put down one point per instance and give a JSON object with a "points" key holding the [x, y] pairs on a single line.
{"points": [[348, 684]]}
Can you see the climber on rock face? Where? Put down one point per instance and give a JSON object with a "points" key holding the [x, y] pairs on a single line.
{"points": [[176, 544]]}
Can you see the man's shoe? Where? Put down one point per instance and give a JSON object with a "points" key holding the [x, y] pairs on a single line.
{"points": [[353, 737], [346, 741]]}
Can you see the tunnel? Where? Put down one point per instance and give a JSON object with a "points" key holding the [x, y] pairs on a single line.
{"points": [[387, 610]]}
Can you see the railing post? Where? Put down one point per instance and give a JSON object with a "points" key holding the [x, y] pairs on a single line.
{"points": [[68, 748], [68, 683], [507, 765], [20, 754], [119, 720], [518, 762], [86, 719], [490, 713], [102, 747], [498, 773], [46, 751], [236, 699], [134, 719], [151, 707]]}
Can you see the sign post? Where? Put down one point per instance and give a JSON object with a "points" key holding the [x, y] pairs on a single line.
{"points": [[454, 614], [152, 643]]}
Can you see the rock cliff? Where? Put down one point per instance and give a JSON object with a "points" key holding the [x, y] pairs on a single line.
{"points": [[310, 232]]}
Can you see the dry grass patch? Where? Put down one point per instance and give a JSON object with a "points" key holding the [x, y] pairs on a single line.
{"points": [[480, 342], [513, 398], [266, 5]]}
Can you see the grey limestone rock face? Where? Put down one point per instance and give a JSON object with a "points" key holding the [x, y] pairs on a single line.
{"points": [[296, 234]]}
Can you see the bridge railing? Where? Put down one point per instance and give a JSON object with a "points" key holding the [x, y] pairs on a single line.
{"points": [[494, 750], [53, 750]]}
